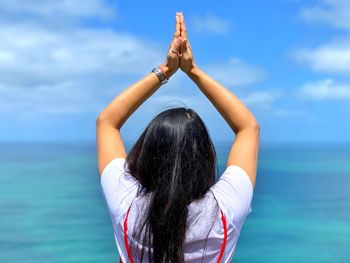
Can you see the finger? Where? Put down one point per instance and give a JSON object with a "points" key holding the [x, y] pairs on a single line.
{"points": [[176, 46], [177, 26], [184, 45], [176, 43], [183, 26]]}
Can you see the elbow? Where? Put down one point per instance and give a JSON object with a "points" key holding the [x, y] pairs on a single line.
{"points": [[103, 119], [252, 126], [100, 119], [256, 126]]}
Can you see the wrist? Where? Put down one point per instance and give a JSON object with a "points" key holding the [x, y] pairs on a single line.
{"points": [[159, 72], [166, 70], [193, 71]]}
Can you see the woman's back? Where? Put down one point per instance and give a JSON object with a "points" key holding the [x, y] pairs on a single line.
{"points": [[204, 239]]}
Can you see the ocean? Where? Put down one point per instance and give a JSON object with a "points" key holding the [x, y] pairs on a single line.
{"points": [[52, 208]]}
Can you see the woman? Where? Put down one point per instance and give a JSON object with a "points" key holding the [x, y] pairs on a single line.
{"points": [[162, 196]]}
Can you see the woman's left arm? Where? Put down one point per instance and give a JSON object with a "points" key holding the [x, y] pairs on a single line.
{"points": [[112, 118]]}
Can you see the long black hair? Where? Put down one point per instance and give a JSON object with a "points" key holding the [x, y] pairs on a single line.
{"points": [[175, 162]]}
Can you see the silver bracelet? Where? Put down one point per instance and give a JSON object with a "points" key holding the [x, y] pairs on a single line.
{"points": [[163, 79]]}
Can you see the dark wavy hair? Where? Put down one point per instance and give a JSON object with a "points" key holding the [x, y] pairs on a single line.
{"points": [[175, 162]]}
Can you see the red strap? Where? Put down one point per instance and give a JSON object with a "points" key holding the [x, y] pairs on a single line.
{"points": [[126, 237], [223, 219]]}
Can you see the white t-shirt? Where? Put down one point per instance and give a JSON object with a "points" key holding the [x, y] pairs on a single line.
{"points": [[232, 193]]}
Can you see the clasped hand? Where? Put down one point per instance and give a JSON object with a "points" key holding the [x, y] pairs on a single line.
{"points": [[180, 52]]}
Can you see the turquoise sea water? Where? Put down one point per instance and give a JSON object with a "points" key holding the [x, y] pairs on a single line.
{"points": [[52, 208]]}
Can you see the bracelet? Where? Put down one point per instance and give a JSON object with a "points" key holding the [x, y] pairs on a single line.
{"points": [[159, 73], [161, 68]]}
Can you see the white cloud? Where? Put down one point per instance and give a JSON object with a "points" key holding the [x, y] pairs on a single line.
{"points": [[62, 10], [177, 100], [232, 73], [333, 57], [335, 13], [209, 24], [40, 55], [261, 99], [58, 69], [236, 73], [326, 89], [50, 68], [50, 99]]}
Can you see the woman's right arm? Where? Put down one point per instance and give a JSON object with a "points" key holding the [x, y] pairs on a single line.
{"points": [[244, 151]]}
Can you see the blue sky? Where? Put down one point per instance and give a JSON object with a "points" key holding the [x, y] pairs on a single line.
{"points": [[62, 62]]}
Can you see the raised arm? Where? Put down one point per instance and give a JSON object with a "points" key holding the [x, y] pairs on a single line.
{"points": [[112, 118], [244, 151]]}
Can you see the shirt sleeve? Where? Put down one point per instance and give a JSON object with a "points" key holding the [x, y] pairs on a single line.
{"points": [[234, 193], [118, 186]]}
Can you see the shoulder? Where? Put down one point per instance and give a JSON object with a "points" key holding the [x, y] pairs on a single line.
{"points": [[118, 185], [234, 193]]}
